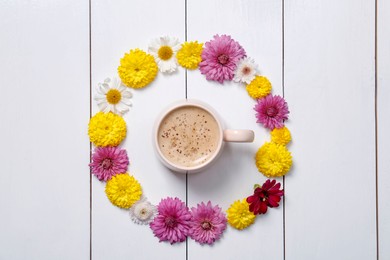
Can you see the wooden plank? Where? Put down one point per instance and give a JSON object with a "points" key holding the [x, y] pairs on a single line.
{"points": [[329, 83], [256, 25], [115, 30], [383, 59], [44, 196]]}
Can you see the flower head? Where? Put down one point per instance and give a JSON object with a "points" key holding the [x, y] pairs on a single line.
{"points": [[220, 57], [239, 215], [164, 51], [106, 129], [246, 71], [137, 69], [259, 87], [142, 212], [271, 111], [281, 136], [172, 221], [108, 161], [268, 195], [189, 56], [112, 96], [273, 160], [123, 190], [207, 223]]}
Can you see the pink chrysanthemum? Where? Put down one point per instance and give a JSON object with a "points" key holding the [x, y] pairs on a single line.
{"points": [[271, 111], [207, 223], [172, 222], [220, 57], [108, 161]]}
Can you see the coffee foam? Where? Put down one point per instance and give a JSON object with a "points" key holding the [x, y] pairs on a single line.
{"points": [[188, 136]]}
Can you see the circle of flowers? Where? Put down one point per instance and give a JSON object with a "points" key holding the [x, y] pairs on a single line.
{"points": [[221, 59]]}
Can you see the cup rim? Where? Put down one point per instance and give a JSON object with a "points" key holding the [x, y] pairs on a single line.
{"points": [[179, 104]]}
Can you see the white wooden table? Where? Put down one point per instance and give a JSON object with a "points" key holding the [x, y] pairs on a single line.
{"points": [[329, 59]]}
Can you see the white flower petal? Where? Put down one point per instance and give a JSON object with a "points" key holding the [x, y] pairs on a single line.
{"points": [[99, 96], [127, 94], [107, 109], [167, 66], [104, 88], [122, 108], [154, 46], [122, 88], [125, 101], [102, 106], [164, 40]]}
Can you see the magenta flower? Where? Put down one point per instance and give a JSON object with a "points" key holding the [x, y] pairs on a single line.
{"points": [[207, 223], [108, 161], [220, 57], [271, 111], [172, 222]]}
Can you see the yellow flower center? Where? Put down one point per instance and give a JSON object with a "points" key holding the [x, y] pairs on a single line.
{"points": [[113, 96], [165, 52]]}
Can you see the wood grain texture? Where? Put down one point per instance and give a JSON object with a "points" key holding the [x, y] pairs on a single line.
{"points": [[117, 28], [44, 195], [256, 25], [383, 63], [329, 83]]}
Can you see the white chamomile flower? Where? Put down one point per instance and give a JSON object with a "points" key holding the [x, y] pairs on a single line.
{"points": [[143, 212], [164, 51], [246, 71], [113, 96]]}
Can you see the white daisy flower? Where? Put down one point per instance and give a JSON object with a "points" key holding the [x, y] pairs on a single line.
{"points": [[246, 71], [113, 96], [164, 51], [143, 212]]}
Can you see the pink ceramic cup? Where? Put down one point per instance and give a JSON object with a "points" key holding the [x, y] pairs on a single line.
{"points": [[218, 133]]}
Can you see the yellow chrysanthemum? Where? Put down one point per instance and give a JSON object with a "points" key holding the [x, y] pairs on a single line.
{"points": [[189, 56], [273, 160], [259, 87], [281, 135], [123, 190], [106, 129], [239, 216], [137, 69]]}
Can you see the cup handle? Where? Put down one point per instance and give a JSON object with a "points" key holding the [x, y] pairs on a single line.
{"points": [[238, 136]]}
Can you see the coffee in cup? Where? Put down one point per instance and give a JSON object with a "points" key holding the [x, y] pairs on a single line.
{"points": [[189, 136]]}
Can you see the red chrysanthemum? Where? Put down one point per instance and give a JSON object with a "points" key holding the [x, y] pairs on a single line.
{"points": [[220, 57], [265, 196], [271, 111]]}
